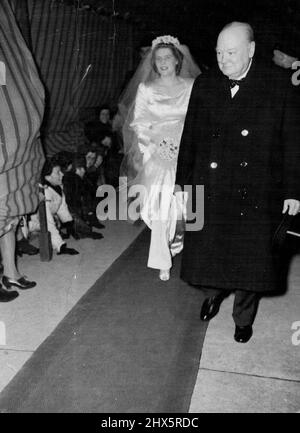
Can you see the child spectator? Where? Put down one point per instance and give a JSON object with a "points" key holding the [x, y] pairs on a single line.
{"points": [[57, 211]]}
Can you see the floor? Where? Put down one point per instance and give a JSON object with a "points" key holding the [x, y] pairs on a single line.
{"points": [[260, 376]]}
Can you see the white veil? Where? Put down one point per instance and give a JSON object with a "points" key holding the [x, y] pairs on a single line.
{"points": [[132, 161]]}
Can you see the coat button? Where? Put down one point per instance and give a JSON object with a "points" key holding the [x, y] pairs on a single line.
{"points": [[245, 132], [243, 192], [214, 165], [244, 164]]}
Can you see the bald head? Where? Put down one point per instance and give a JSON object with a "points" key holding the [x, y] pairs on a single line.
{"points": [[244, 27], [235, 48]]}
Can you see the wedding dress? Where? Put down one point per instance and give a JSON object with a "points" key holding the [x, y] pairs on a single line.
{"points": [[158, 121]]}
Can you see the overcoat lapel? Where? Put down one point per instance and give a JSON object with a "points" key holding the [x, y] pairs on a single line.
{"points": [[221, 99]]}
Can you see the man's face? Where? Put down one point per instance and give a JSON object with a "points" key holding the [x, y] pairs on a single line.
{"points": [[90, 158], [80, 171], [104, 116], [98, 161], [234, 52]]}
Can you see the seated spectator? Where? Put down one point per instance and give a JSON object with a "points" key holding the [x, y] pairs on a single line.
{"points": [[90, 157], [111, 158], [57, 211], [80, 197], [88, 154], [99, 127], [95, 173]]}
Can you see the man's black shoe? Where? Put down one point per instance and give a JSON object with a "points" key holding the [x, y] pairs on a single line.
{"points": [[243, 333], [210, 308]]}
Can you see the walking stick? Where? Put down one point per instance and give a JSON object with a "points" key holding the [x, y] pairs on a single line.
{"points": [[44, 236]]}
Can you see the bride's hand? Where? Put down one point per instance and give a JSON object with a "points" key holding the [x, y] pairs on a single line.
{"points": [[145, 151]]}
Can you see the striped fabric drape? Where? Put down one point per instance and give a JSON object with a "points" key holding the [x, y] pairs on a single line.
{"points": [[83, 59], [21, 112]]}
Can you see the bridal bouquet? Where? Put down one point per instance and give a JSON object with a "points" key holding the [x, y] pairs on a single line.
{"points": [[168, 149]]}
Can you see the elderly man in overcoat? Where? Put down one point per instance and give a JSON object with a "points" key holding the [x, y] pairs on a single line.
{"points": [[241, 140]]}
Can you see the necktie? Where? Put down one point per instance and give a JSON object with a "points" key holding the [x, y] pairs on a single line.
{"points": [[233, 83]]}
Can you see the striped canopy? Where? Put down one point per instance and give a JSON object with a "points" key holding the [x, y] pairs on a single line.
{"points": [[83, 59], [21, 113]]}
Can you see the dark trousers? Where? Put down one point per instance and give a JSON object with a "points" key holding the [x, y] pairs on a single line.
{"points": [[244, 307]]}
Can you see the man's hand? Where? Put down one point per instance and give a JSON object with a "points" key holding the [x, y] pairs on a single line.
{"points": [[283, 60], [293, 206], [106, 141]]}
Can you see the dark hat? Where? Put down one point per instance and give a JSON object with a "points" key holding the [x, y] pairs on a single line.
{"points": [[288, 232]]}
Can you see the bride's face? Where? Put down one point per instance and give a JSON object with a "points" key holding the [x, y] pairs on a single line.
{"points": [[165, 62]]}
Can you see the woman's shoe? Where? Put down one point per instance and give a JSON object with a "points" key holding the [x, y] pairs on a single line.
{"points": [[22, 283], [6, 296], [164, 275]]}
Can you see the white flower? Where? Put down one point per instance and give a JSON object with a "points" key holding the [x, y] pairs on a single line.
{"points": [[167, 39]]}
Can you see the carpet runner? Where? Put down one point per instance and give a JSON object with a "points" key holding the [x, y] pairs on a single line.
{"points": [[132, 344]]}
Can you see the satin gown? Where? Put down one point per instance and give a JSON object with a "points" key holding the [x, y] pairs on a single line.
{"points": [[158, 123]]}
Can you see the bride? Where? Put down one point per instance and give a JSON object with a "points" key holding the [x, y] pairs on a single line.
{"points": [[155, 104]]}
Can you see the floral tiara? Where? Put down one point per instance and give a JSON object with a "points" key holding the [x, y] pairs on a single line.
{"points": [[167, 39]]}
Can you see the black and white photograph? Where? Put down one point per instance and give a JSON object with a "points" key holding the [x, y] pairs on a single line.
{"points": [[149, 210]]}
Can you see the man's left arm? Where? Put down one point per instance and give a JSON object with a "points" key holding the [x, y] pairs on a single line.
{"points": [[291, 145]]}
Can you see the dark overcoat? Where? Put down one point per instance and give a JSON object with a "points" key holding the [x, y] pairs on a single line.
{"points": [[246, 152]]}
